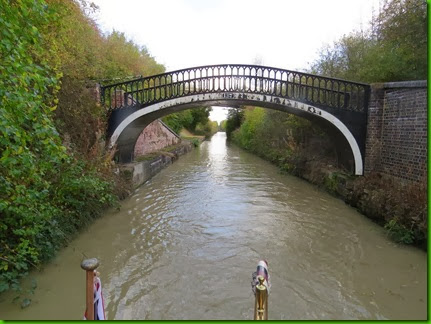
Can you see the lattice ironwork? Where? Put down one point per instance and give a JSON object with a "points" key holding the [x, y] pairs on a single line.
{"points": [[303, 87]]}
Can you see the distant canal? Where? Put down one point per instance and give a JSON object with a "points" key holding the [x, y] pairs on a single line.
{"points": [[185, 244]]}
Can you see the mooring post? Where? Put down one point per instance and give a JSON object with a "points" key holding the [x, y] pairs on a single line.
{"points": [[89, 265]]}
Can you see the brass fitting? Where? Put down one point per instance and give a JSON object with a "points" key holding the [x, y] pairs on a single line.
{"points": [[261, 301]]}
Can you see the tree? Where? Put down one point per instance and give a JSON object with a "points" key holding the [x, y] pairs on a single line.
{"points": [[234, 120], [393, 48], [188, 119], [222, 126], [48, 51], [200, 115], [401, 31]]}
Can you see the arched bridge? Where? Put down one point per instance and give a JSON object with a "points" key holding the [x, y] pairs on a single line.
{"points": [[339, 105]]}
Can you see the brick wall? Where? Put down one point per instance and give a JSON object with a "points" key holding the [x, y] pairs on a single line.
{"points": [[397, 130], [155, 137]]}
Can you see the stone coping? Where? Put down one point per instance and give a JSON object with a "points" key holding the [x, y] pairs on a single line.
{"points": [[401, 84]]}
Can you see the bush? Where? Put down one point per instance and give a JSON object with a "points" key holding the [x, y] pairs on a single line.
{"points": [[392, 48], [398, 232], [194, 120], [208, 129], [195, 142], [178, 121], [49, 191]]}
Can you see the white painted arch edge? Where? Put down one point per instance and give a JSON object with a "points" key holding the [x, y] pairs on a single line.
{"points": [[255, 97]]}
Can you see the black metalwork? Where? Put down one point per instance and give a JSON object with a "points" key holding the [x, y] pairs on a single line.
{"points": [[307, 88]]}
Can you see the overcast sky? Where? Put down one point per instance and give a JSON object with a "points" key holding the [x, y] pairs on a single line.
{"points": [[280, 33]]}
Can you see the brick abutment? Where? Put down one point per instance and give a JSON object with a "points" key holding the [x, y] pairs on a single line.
{"points": [[396, 142]]}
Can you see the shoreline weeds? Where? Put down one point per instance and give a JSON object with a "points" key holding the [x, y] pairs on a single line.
{"points": [[401, 208]]}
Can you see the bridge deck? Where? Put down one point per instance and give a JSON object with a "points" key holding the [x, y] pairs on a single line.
{"points": [[307, 88]]}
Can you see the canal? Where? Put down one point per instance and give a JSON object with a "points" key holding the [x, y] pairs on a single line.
{"points": [[185, 244]]}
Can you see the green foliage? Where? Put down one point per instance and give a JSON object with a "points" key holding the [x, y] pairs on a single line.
{"points": [[207, 129], [402, 207], [285, 139], [195, 120], [195, 142], [124, 58], [331, 182], [180, 120], [30, 146], [234, 119], [248, 134], [83, 52], [48, 50], [213, 127], [80, 51], [398, 232], [200, 116], [300, 148], [222, 126], [146, 157], [393, 48]]}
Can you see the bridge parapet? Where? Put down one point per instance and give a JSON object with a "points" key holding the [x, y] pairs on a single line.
{"points": [[311, 89]]}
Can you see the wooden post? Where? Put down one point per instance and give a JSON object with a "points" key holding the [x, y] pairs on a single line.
{"points": [[89, 265]]}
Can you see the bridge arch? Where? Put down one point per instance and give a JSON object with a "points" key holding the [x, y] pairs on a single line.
{"points": [[340, 104]]}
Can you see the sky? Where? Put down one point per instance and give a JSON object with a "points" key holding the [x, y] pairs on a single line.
{"points": [[286, 34]]}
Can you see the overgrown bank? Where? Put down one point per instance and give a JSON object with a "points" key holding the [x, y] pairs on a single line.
{"points": [[302, 149], [55, 174]]}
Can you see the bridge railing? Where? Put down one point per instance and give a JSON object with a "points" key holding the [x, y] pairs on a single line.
{"points": [[304, 87]]}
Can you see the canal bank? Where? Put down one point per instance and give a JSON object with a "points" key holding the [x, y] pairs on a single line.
{"points": [[205, 221], [399, 206], [298, 147], [146, 166]]}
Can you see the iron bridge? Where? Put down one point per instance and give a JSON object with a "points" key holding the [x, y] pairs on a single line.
{"points": [[133, 104]]}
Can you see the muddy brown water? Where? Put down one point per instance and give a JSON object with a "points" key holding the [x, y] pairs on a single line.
{"points": [[184, 245]]}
